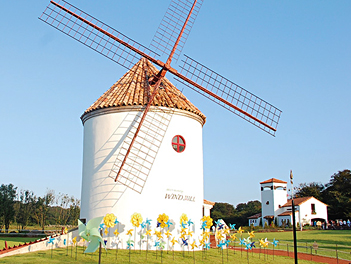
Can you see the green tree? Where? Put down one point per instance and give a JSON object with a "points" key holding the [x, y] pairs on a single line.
{"points": [[314, 189], [26, 203], [7, 201], [338, 195]]}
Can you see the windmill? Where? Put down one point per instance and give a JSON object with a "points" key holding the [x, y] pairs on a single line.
{"points": [[141, 133]]}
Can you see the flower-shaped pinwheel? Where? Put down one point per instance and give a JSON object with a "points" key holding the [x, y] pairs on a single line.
{"points": [[136, 219], [208, 220], [163, 219], [109, 220], [275, 242], [90, 232]]}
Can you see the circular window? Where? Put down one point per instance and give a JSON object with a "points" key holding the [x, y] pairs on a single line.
{"points": [[178, 143]]}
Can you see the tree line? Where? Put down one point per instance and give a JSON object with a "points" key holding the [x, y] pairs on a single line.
{"points": [[23, 208], [336, 194]]}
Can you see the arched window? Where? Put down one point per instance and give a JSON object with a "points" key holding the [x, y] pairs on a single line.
{"points": [[178, 143]]}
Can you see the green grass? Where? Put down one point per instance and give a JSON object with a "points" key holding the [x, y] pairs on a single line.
{"points": [[325, 239], [212, 256], [11, 241]]}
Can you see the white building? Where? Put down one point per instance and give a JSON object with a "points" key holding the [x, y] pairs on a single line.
{"points": [[169, 180], [276, 207]]}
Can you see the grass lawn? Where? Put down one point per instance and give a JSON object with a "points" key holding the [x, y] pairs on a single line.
{"points": [[212, 256], [325, 239]]}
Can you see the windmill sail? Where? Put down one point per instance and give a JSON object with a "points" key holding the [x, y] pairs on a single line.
{"points": [[230, 95], [171, 25]]}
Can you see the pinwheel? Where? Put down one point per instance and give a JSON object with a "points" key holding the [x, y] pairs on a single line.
{"points": [[233, 237], [206, 234], [106, 231], [227, 242], [247, 241], [51, 240], [193, 245], [183, 230], [74, 240], [65, 231], [219, 235], [251, 234], [183, 219], [253, 245], [248, 246], [185, 242], [116, 233], [148, 221], [202, 242], [173, 241], [168, 234], [208, 245], [143, 225], [109, 220], [204, 225], [130, 243], [240, 231], [190, 233], [158, 234], [157, 243], [105, 241], [232, 226], [221, 245], [169, 223], [226, 231], [264, 243], [163, 219], [158, 224], [116, 222], [136, 219], [102, 226], [208, 220], [190, 222], [220, 226], [90, 232], [161, 244], [242, 241], [130, 232], [64, 242], [275, 242], [148, 232], [114, 242], [182, 235]]}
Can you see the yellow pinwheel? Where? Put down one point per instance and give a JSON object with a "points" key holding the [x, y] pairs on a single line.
{"points": [[106, 231], [158, 234], [219, 235], [251, 234], [183, 230], [130, 232], [74, 240], [116, 232], [263, 243], [202, 241], [226, 231], [206, 234], [209, 221], [193, 245], [240, 231], [233, 237], [173, 241], [65, 231], [168, 234], [182, 236], [148, 232], [190, 233]]}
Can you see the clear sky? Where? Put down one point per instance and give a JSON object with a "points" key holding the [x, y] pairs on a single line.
{"points": [[294, 54]]}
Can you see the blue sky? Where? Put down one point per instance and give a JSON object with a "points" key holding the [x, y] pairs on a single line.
{"points": [[294, 54]]}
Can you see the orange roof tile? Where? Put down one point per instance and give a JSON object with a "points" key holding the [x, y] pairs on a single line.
{"points": [[208, 202], [297, 201], [255, 216], [132, 89], [287, 213], [273, 180]]}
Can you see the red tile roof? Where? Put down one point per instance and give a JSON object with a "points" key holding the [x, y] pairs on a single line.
{"points": [[255, 216], [297, 201], [273, 180], [287, 213], [208, 202], [132, 89]]}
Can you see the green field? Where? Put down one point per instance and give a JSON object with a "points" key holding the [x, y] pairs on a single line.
{"points": [[212, 256]]}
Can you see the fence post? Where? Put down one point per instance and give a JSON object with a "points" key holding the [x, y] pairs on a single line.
{"points": [[287, 249], [337, 257]]}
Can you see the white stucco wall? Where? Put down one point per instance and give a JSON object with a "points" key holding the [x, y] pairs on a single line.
{"points": [[173, 175], [306, 213]]}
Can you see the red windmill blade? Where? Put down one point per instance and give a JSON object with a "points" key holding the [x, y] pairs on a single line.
{"points": [[121, 49]]}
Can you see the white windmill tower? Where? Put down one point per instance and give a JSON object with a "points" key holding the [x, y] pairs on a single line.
{"points": [[143, 138]]}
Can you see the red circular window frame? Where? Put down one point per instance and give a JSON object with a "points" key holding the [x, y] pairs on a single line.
{"points": [[178, 144]]}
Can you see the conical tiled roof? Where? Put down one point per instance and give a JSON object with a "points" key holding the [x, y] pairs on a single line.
{"points": [[132, 89]]}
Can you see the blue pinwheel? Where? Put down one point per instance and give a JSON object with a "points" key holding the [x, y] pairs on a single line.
{"points": [[116, 222], [220, 226], [232, 226], [218, 222], [158, 224], [204, 225], [185, 242], [105, 241], [102, 226], [226, 242], [64, 242], [207, 245], [253, 245], [143, 225], [130, 243], [168, 223], [190, 222], [275, 242], [157, 243], [248, 246], [51, 240], [183, 225], [148, 221], [242, 241], [221, 245]]}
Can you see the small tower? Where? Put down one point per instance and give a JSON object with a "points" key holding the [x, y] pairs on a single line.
{"points": [[273, 196]]}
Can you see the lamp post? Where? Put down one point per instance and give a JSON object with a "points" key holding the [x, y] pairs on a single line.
{"points": [[293, 213]]}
